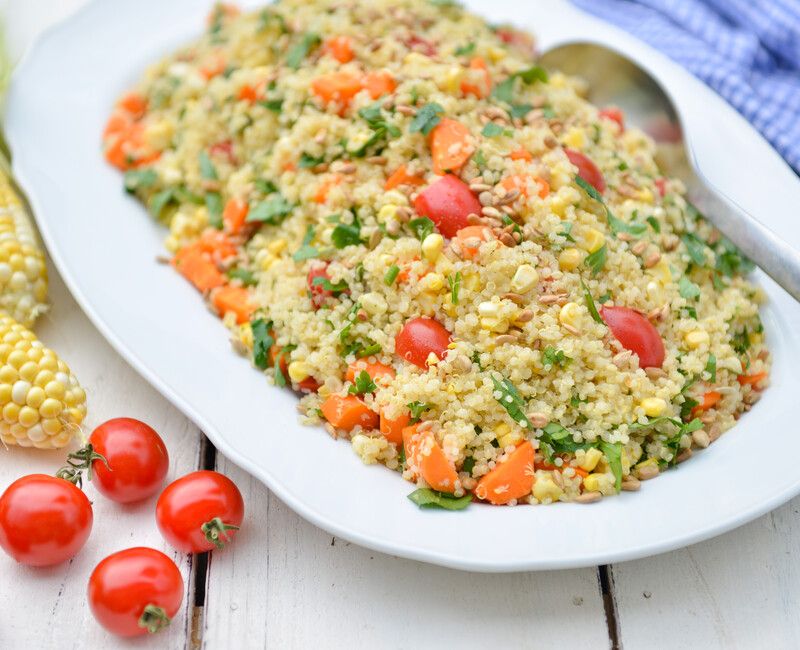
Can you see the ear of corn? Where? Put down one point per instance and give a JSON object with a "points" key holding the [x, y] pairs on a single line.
{"points": [[41, 403]]}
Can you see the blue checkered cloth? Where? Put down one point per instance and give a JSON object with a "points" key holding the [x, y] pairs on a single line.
{"points": [[748, 51]]}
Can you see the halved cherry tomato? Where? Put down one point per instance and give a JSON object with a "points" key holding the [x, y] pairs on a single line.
{"points": [[200, 511], [615, 115], [636, 334], [419, 44], [661, 186], [135, 591], [319, 294], [418, 338], [587, 170], [136, 460], [44, 520], [447, 202]]}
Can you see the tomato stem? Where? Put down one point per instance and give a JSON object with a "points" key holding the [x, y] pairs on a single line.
{"points": [[216, 529], [80, 460], [154, 618]]}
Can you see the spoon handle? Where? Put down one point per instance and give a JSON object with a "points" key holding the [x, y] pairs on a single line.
{"points": [[772, 254]]}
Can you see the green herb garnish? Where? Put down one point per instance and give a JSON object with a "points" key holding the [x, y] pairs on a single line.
{"points": [[391, 275], [427, 498], [301, 49], [426, 118], [262, 342], [597, 260], [455, 286], [138, 179], [362, 384], [346, 234], [417, 409], [554, 357], [512, 402], [272, 211], [422, 227], [207, 169], [590, 303]]}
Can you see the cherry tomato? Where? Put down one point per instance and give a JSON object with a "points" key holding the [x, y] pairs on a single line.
{"points": [[615, 115], [136, 457], [44, 520], [587, 170], [319, 294], [447, 202], [418, 338], [636, 334], [661, 186], [135, 591], [200, 511], [415, 42]]}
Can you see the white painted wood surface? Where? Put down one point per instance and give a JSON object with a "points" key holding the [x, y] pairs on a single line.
{"points": [[286, 584]]}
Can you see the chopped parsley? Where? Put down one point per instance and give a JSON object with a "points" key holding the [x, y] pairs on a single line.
{"points": [[566, 231], [306, 250], [590, 303], [465, 50], [597, 260], [262, 342], [711, 368], [618, 226], [247, 277], [346, 235], [159, 201], [613, 453], [274, 105], [688, 289], [207, 169], [654, 224], [492, 129], [280, 380], [417, 409], [307, 161], [504, 91], [422, 227], [363, 384], [335, 288], [695, 247], [554, 357], [301, 49], [138, 179], [391, 275], [512, 402], [272, 211], [426, 498], [426, 118]]}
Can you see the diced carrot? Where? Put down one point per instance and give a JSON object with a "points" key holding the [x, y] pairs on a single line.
{"points": [[289, 166], [450, 146], [471, 239], [213, 66], [119, 122], [339, 87], [375, 370], [274, 351], [196, 266], [710, 399], [520, 182], [321, 195], [348, 412], [479, 81], [235, 299], [581, 472], [400, 176], [124, 147], [216, 243], [309, 385], [521, 154], [115, 153], [234, 215], [511, 479], [379, 83], [134, 104], [340, 48], [751, 380], [425, 454], [392, 430], [247, 93]]}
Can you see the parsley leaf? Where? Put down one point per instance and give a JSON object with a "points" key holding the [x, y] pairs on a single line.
{"points": [[613, 452], [695, 247], [589, 189], [492, 129], [214, 207], [688, 289], [306, 250], [327, 285], [159, 201], [422, 227], [247, 277], [417, 409], [618, 226], [346, 234], [512, 402], [554, 357], [301, 49], [272, 211], [597, 260], [137, 179], [362, 384], [504, 91], [207, 169], [426, 118], [654, 224], [262, 342], [711, 368], [280, 380], [465, 50], [426, 498], [590, 303], [307, 161]]}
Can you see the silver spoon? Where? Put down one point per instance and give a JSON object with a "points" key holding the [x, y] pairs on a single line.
{"points": [[616, 80]]}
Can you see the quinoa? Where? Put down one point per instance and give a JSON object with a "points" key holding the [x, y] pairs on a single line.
{"points": [[295, 155]]}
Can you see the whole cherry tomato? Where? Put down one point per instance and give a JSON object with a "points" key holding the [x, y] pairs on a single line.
{"points": [[447, 203], [135, 591], [200, 511], [44, 520], [136, 460], [615, 114], [587, 170], [418, 338], [636, 334]]}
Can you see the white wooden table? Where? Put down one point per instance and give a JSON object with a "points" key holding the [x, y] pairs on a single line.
{"points": [[286, 584]]}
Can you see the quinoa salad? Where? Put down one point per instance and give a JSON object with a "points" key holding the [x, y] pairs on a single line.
{"points": [[473, 275]]}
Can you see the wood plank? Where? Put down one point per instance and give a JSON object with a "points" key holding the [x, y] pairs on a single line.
{"points": [[740, 590], [49, 605], [285, 583]]}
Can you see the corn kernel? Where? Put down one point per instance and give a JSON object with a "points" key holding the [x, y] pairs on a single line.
{"points": [[696, 338], [525, 278], [432, 246], [575, 138], [559, 203], [276, 246], [298, 371], [569, 259], [472, 281], [451, 79], [592, 240], [662, 272], [387, 212], [545, 488], [590, 459], [597, 482], [653, 406], [645, 195], [570, 314], [432, 282], [488, 309], [373, 303]]}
